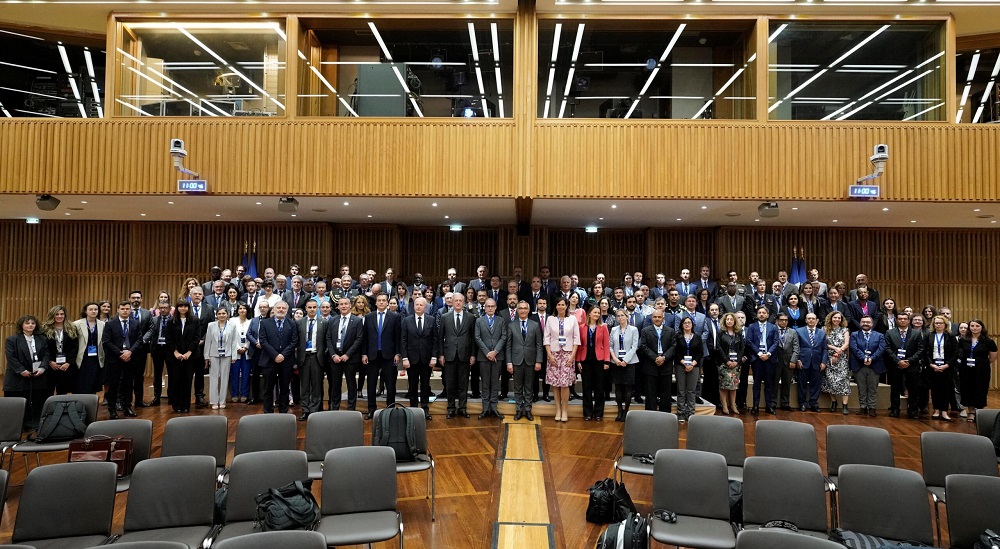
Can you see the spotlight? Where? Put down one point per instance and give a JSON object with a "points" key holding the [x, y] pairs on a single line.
{"points": [[650, 61], [287, 204], [46, 202], [768, 209], [438, 59]]}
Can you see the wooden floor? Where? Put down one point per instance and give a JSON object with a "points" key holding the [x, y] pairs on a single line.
{"points": [[518, 485]]}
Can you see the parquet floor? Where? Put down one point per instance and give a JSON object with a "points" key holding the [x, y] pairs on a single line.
{"points": [[517, 485]]}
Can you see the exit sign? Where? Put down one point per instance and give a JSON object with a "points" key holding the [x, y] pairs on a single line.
{"points": [[864, 191], [192, 185]]}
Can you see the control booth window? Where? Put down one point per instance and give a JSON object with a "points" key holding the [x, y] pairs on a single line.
{"points": [[201, 68], [406, 67], [646, 69], [978, 72], [827, 70]]}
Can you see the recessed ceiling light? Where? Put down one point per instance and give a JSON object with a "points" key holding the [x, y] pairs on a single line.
{"points": [[294, 215], [447, 217], [835, 220], [218, 215], [885, 209], [84, 202], [434, 204], [913, 221], [171, 202], [142, 215], [600, 219], [704, 207], [994, 221], [795, 208], [678, 219], [975, 210], [369, 215], [258, 203], [347, 203], [613, 206], [67, 213]]}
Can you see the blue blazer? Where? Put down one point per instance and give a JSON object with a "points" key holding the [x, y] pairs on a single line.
{"points": [[875, 346], [391, 333], [811, 356], [770, 341]]}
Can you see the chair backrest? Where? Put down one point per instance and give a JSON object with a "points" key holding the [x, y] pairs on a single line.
{"points": [[692, 483], [719, 435], [11, 418], [781, 539], [260, 432], [139, 430], [80, 495], [334, 429], [255, 473], [972, 507], [89, 402], [196, 436], [857, 444], [784, 489], [4, 475], [647, 431], [884, 501], [171, 492], [787, 439], [151, 545], [419, 428], [985, 419], [944, 454], [359, 479], [300, 539]]}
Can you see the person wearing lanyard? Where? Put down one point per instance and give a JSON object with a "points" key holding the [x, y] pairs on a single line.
{"points": [[944, 355], [562, 338], [122, 338], [687, 370], [158, 347], [593, 358], [656, 350], [491, 343], [311, 357], [867, 347], [221, 344], [978, 356], [90, 352], [624, 356], [837, 376], [382, 342], [906, 352], [27, 355], [63, 340], [762, 337]]}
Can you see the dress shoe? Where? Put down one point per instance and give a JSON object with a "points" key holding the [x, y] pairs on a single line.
{"points": [[119, 407], [802, 408], [547, 398], [112, 414], [815, 409], [754, 410], [587, 418], [534, 398], [370, 414], [449, 415], [155, 401], [912, 415], [141, 404], [464, 414], [484, 414], [304, 416], [833, 406], [428, 417], [638, 400], [620, 417], [253, 401], [771, 411], [129, 412], [786, 408], [872, 412], [862, 411], [186, 410], [518, 415], [201, 402], [497, 414], [893, 413], [528, 416], [380, 392]]}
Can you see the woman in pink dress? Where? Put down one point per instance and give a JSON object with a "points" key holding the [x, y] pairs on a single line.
{"points": [[561, 338]]}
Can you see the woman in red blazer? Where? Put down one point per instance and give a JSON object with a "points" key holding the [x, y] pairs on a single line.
{"points": [[593, 356]]}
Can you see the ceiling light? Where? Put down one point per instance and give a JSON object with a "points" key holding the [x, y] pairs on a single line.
{"points": [[218, 215], [294, 215], [447, 217], [913, 221], [590, 229], [369, 215], [84, 202], [259, 203], [171, 202], [142, 215], [704, 207], [756, 220], [678, 219], [600, 219], [456, 228], [67, 213], [347, 203], [885, 209], [434, 204], [994, 221], [613, 206], [977, 209], [834, 220]]}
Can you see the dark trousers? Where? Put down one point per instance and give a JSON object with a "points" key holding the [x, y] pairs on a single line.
{"points": [[418, 376], [295, 386], [641, 386], [741, 389], [310, 383], [34, 400], [593, 388], [763, 374], [62, 382], [384, 368], [658, 389], [538, 382], [338, 371], [456, 374], [810, 382], [362, 376], [198, 371], [783, 375], [159, 355], [475, 380], [911, 379], [504, 382], [119, 380], [179, 391], [522, 378], [136, 368], [276, 376], [942, 388], [255, 375], [710, 380], [607, 379]]}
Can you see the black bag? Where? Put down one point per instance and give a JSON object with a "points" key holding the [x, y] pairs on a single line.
{"points": [[736, 502], [221, 498], [995, 435], [62, 421], [856, 540], [609, 502], [395, 430], [988, 539], [628, 534], [287, 508]]}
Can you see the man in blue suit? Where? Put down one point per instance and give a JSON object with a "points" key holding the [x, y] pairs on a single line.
{"points": [[382, 343], [867, 347], [811, 364], [279, 338], [762, 341]]}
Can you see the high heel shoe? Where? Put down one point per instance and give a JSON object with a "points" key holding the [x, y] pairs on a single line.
{"points": [[725, 412]]}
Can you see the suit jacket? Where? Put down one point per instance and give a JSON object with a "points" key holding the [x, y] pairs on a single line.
{"points": [[338, 293], [698, 318], [695, 347], [213, 301], [755, 300], [391, 334], [854, 323], [184, 340], [205, 314], [914, 350], [274, 343], [251, 300], [479, 284], [550, 286], [300, 303], [20, 359], [524, 349], [418, 346], [602, 347], [730, 305], [710, 336], [630, 338], [570, 331], [787, 351], [320, 328], [352, 344], [770, 341], [491, 339], [713, 288], [114, 338], [813, 355], [875, 346], [84, 330], [230, 340], [873, 295], [456, 343], [842, 307], [145, 325], [648, 350], [537, 318]]}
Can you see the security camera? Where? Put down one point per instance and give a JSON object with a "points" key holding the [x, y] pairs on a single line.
{"points": [[177, 148], [880, 154]]}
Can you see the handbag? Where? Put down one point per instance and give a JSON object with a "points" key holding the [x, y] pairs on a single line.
{"points": [[287, 508], [117, 450], [609, 502]]}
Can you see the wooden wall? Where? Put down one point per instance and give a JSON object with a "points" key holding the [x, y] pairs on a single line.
{"points": [[74, 262]]}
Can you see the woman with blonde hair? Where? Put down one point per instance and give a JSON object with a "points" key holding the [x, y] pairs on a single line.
{"points": [[63, 338]]}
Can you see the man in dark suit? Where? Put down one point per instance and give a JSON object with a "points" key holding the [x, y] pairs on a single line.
{"points": [[761, 298], [217, 296], [706, 282], [491, 343], [731, 302], [158, 348], [812, 363], [861, 282], [311, 357], [296, 297], [834, 302], [867, 347], [481, 282], [525, 352], [548, 284], [905, 350], [786, 354], [121, 340], [251, 297], [417, 347], [762, 344], [137, 365], [382, 344], [656, 350], [203, 314], [255, 354], [538, 382], [456, 351], [861, 307], [279, 338], [344, 343]]}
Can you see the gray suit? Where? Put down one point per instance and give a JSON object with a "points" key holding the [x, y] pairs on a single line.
{"points": [[490, 338], [786, 353], [523, 352], [727, 305], [311, 364], [455, 345]]}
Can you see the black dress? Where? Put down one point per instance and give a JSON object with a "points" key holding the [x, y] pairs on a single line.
{"points": [[974, 377], [63, 348], [90, 374]]}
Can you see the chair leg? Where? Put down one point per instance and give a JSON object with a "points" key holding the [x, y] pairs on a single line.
{"points": [[400, 519], [25, 456], [937, 518], [433, 489], [38, 459]]}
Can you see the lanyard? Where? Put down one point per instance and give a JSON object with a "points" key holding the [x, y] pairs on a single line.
{"points": [[687, 342], [621, 341], [222, 331], [561, 321], [939, 341], [59, 341]]}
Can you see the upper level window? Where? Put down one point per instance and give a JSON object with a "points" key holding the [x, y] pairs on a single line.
{"points": [[978, 72]]}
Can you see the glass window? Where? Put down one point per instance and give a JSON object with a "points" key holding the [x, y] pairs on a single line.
{"points": [[646, 69], [400, 67], [856, 71], [977, 73], [213, 68], [50, 76]]}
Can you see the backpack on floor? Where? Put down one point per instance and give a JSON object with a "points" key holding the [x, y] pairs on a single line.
{"points": [[394, 429], [630, 533], [736, 502], [61, 421]]}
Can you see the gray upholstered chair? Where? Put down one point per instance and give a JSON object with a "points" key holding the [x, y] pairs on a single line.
{"points": [[84, 520], [328, 430], [149, 545], [139, 430], [985, 420], [854, 444], [255, 473], [886, 502], [359, 496], [259, 432], [972, 508], [944, 454], [197, 436], [4, 477], [30, 447], [695, 486], [781, 539], [424, 462], [719, 435], [299, 539], [11, 423], [646, 432], [784, 489], [171, 499], [787, 439]]}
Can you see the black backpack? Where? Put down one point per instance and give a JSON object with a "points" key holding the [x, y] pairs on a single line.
{"points": [[609, 502], [736, 502], [394, 429], [287, 508], [61, 421], [630, 533]]}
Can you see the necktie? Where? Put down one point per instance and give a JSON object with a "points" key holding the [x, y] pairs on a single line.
{"points": [[309, 332], [420, 324], [812, 338], [196, 309], [380, 315], [135, 314], [524, 328], [279, 326], [513, 313], [343, 328], [458, 321], [125, 332]]}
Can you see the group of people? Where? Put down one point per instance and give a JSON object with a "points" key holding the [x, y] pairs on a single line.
{"points": [[274, 340]]}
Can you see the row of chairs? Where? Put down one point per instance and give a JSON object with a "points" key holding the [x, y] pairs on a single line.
{"points": [[172, 499], [300, 539]]}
